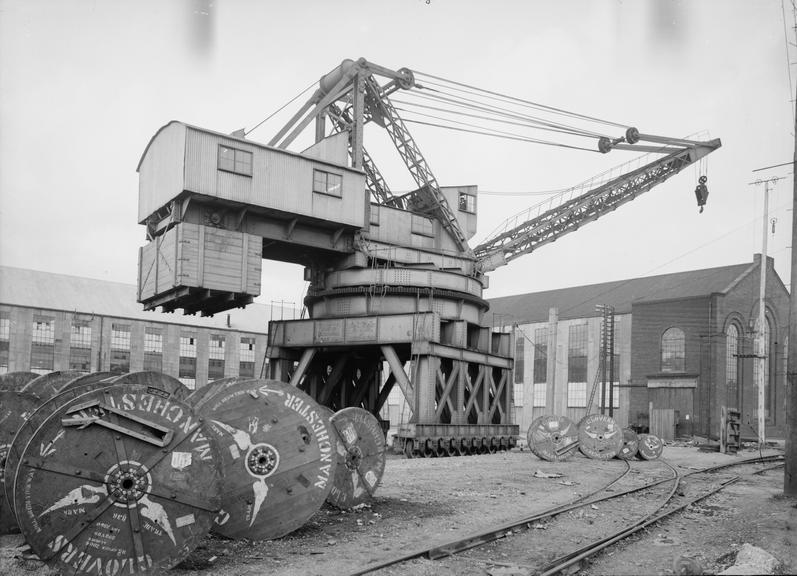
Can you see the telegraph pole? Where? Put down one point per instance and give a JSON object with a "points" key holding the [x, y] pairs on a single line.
{"points": [[790, 472]]}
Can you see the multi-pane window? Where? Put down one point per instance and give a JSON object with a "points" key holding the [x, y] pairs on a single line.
{"points": [[577, 366], [42, 351], [615, 392], [467, 202], [327, 183], [187, 368], [120, 347], [540, 356], [246, 365], [80, 346], [5, 341], [538, 392], [673, 350], [732, 365], [235, 160], [520, 363], [216, 357], [153, 349]]}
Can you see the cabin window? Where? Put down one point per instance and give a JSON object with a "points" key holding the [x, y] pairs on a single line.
{"points": [[467, 203], [235, 161], [327, 183]]}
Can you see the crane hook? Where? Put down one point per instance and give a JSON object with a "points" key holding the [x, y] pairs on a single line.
{"points": [[701, 192]]}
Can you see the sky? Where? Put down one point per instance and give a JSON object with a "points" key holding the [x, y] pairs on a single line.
{"points": [[85, 84]]}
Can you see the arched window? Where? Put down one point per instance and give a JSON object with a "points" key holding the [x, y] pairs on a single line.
{"points": [[672, 350], [732, 365]]}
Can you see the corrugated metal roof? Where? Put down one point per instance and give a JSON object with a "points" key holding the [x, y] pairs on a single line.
{"points": [[580, 301], [35, 289]]}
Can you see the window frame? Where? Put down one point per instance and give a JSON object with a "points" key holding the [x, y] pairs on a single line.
{"points": [[234, 169], [328, 189], [675, 348], [469, 204]]}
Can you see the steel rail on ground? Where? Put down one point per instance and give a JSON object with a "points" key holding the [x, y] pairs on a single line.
{"points": [[461, 544]]}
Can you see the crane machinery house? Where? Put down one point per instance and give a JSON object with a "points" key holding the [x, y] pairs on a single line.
{"points": [[396, 293]]}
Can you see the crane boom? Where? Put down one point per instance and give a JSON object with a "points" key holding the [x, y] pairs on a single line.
{"points": [[514, 239]]}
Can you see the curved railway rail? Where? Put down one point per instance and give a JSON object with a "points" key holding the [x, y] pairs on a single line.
{"points": [[441, 550]]}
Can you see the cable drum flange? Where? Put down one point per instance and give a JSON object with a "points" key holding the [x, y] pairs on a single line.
{"points": [[157, 381], [28, 428], [361, 454], [650, 447], [16, 380], [599, 437], [630, 445], [15, 407], [48, 385], [121, 480], [278, 454], [552, 438]]}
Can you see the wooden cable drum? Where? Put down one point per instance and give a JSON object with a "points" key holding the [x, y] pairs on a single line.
{"points": [[361, 454], [650, 447], [16, 380], [29, 427], [198, 396], [15, 407], [91, 378], [155, 380], [129, 482], [552, 438], [48, 385], [599, 437], [630, 445], [279, 457]]}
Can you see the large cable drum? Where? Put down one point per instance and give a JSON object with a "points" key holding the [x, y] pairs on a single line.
{"points": [[599, 437], [48, 385], [552, 438], [121, 480], [279, 457], [361, 454], [15, 407]]}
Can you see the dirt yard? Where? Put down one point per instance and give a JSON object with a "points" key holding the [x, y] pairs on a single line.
{"points": [[425, 502]]}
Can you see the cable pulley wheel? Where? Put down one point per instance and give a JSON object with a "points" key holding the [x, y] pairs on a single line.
{"points": [[121, 480], [630, 445], [552, 438], [15, 407], [361, 453], [278, 454], [599, 437], [650, 447], [29, 427], [157, 381], [48, 385], [16, 380]]}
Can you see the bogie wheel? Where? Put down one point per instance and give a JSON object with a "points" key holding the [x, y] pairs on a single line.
{"points": [[442, 448], [464, 447], [453, 447], [475, 447], [493, 448], [429, 450]]}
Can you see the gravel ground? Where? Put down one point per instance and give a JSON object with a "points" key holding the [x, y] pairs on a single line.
{"points": [[425, 502]]}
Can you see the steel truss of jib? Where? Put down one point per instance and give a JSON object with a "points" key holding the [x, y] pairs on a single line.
{"points": [[456, 396]]}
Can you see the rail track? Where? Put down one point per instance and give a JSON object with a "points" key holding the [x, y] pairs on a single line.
{"points": [[669, 498]]}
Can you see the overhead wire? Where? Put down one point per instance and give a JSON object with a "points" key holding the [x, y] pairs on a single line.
{"points": [[536, 105], [497, 135], [281, 108], [477, 105]]}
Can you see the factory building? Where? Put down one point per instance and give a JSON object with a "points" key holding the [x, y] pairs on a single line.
{"points": [[684, 348], [59, 322]]}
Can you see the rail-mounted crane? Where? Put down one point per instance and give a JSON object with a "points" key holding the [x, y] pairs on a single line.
{"points": [[395, 291]]}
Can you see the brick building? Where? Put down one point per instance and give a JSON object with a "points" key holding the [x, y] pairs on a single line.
{"points": [[60, 322], [684, 348]]}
